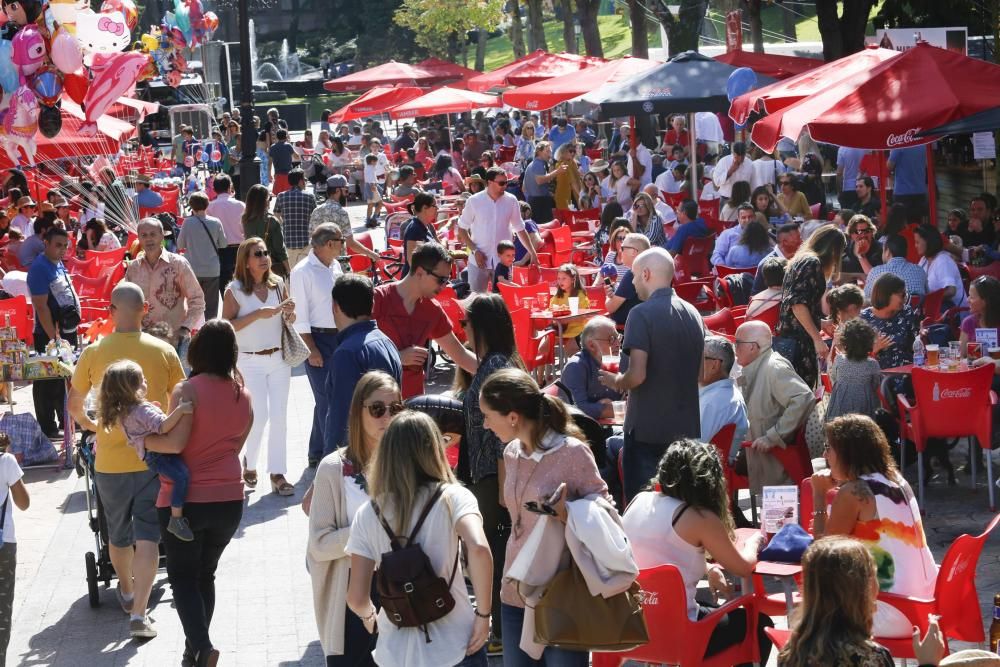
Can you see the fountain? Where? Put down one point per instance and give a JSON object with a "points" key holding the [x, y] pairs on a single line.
{"points": [[253, 54], [288, 64]]}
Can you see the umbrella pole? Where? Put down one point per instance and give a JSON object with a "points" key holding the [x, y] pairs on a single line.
{"points": [[883, 188], [931, 186], [694, 158]]}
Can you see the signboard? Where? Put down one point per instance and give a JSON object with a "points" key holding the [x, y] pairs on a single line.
{"points": [[988, 338], [779, 505], [983, 146], [901, 39]]}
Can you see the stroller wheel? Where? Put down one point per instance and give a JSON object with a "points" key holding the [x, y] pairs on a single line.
{"points": [[92, 591]]}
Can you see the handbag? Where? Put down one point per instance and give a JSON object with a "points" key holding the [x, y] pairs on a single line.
{"points": [[293, 349], [787, 545], [568, 617]]}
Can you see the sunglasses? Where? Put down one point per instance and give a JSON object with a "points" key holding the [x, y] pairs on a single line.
{"points": [[502, 184], [377, 409], [441, 279], [261, 253], [863, 230]]}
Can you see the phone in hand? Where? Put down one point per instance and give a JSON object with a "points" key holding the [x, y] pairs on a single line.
{"points": [[607, 281]]}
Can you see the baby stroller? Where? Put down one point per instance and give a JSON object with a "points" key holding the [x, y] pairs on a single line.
{"points": [[98, 562]]}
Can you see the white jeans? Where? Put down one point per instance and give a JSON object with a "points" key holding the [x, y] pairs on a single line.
{"points": [[267, 378], [479, 279]]}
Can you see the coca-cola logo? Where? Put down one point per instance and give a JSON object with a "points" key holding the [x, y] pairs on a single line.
{"points": [[962, 392], [901, 139], [649, 598], [533, 104]]}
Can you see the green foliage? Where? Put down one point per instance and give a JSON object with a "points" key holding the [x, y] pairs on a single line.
{"points": [[980, 17], [370, 23], [433, 21]]}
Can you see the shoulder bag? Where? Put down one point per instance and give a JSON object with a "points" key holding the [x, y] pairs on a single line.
{"points": [[293, 349]]}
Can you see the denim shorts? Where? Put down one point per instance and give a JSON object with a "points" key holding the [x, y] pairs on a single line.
{"points": [[129, 502]]}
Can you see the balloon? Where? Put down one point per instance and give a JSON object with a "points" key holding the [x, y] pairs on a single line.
{"points": [[188, 161], [741, 80], [76, 84], [182, 19], [47, 85], [20, 122], [29, 50], [10, 79], [150, 42], [216, 155], [65, 52], [50, 121], [114, 73], [102, 33], [64, 13], [210, 22], [126, 7], [203, 157]]}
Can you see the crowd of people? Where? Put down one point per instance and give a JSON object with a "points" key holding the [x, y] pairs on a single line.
{"points": [[478, 479]]}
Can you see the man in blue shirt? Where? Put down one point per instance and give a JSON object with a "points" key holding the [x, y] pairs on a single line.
{"points": [[720, 401], [361, 347], [281, 154], [580, 377], [848, 168], [536, 183], [562, 133], [144, 197], [908, 167], [691, 226]]}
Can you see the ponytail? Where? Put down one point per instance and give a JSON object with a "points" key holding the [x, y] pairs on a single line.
{"points": [[513, 390], [553, 414]]}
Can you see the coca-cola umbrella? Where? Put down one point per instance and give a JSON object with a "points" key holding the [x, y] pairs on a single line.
{"points": [[536, 66], [386, 74], [769, 64], [547, 94], [376, 101], [783, 93], [448, 72], [444, 100]]}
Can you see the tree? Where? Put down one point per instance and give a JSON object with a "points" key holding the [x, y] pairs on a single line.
{"points": [[684, 29], [379, 38], [751, 8], [432, 21], [569, 31], [587, 11], [516, 29], [843, 32], [640, 40], [788, 26], [536, 26]]}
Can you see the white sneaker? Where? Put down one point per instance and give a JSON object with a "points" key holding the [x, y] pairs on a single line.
{"points": [[141, 628]]}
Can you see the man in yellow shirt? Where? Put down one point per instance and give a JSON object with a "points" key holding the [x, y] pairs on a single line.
{"points": [[128, 489]]}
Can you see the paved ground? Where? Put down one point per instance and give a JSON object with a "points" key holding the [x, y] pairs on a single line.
{"points": [[264, 609]]}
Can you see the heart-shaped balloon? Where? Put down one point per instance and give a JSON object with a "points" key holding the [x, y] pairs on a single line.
{"points": [[75, 84], [216, 156], [188, 161]]}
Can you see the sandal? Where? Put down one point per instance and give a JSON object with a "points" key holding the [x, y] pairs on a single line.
{"points": [[281, 486], [249, 476]]}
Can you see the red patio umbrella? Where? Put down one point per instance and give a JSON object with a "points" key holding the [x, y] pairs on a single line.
{"points": [[447, 71], [535, 66], [444, 100], [778, 95], [386, 74], [547, 94], [769, 64], [69, 143], [377, 100]]}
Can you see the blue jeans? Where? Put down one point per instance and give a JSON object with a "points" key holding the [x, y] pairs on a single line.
{"points": [[512, 620], [172, 467], [639, 463], [326, 343], [477, 659]]}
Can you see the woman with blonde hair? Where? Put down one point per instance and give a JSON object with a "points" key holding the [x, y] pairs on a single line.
{"points": [[646, 221], [254, 302], [526, 145], [408, 480], [339, 490], [569, 181]]}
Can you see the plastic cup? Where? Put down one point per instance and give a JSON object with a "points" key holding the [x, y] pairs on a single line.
{"points": [[609, 362], [619, 407], [574, 305], [934, 355], [955, 350]]}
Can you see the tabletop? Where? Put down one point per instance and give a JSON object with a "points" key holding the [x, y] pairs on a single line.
{"points": [[584, 313]]}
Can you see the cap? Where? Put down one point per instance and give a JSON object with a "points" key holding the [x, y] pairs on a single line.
{"points": [[972, 658], [336, 181]]}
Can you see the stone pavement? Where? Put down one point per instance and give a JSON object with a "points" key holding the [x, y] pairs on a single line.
{"points": [[264, 607]]}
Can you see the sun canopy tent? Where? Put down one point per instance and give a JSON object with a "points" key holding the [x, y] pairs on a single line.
{"points": [[386, 74], [769, 64], [376, 101], [444, 100], [547, 94], [984, 121], [687, 83], [536, 66], [888, 106]]}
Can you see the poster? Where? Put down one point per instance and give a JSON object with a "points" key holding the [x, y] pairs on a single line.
{"points": [[954, 39], [988, 338], [779, 505], [983, 146]]}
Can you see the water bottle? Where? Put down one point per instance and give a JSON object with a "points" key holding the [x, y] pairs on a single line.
{"points": [[918, 352]]}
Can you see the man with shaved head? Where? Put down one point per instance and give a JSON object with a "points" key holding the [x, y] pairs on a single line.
{"points": [[778, 402], [664, 340], [128, 489]]}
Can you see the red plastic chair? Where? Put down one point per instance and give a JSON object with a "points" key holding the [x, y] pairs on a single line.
{"points": [[940, 397], [514, 295], [721, 322], [535, 355], [596, 296], [932, 304], [699, 294], [525, 275], [548, 274], [562, 245], [674, 199], [21, 317], [106, 260], [814, 211], [709, 210], [594, 153], [696, 252], [453, 309], [722, 271], [83, 267], [769, 317], [563, 215], [674, 638]]}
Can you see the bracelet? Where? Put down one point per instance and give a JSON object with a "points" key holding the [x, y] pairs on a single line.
{"points": [[371, 616], [819, 513], [475, 610]]}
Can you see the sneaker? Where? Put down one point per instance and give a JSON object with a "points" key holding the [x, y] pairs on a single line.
{"points": [[179, 528], [126, 604], [141, 628]]}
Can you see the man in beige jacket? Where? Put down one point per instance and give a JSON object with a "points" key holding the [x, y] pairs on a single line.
{"points": [[778, 403]]}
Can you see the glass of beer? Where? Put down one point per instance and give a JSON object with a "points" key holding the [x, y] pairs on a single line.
{"points": [[933, 355], [619, 407]]}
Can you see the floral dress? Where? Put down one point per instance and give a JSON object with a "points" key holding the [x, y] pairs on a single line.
{"points": [[804, 285], [902, 328]]}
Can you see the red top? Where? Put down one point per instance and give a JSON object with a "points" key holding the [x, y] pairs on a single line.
{"points": [[428, 321], [221, 417]]}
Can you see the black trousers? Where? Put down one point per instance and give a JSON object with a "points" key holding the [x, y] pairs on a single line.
{"points": [[496, 525], [733, 628], [191, 565], [49, 396], [227, 265]]}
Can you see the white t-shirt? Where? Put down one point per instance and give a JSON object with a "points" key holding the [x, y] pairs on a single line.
{"points": [[943, 272], [370, 173], [355, 495], [407, 647], [10, 473], [646, 160], [766, 170]]}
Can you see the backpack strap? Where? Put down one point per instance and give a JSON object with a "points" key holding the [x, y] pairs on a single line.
{"points": [[427, 510], [393, 540]]}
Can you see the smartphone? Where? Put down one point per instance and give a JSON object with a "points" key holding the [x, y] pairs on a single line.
{"points": [[607, 281], [536, 508]]}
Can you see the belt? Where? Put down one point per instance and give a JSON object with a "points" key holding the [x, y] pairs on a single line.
{"points": [[323, 330], [264, 353]]}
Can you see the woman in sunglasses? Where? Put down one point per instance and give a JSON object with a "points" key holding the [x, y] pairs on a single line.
{"points": [[339, 490], [260, 222], [254, 303], [646, 221]]}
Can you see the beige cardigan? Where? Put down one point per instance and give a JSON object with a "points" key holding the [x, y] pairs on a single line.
{"points": [[328, 563]]}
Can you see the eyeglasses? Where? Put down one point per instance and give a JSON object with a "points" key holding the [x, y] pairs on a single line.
{"points": [[261, 253], [863, 230], [747, 342], [336, 241], [502, 184], [638, 204], [707, 358], [785, 182], [629, 247], [377, 409], [441, 279]]}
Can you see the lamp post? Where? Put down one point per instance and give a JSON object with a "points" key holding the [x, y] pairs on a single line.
{"points": [[249, 162]]}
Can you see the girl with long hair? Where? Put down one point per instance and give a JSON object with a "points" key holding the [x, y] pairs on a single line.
{"points": [[526, 145], [984, 306], [686, 516], [646, 221], [444, 171], [569, 284], [569, 181], [409, 473], [259, 222], [765, 203], [618, 183], [942, 271], [546, 459], [620, 228]]}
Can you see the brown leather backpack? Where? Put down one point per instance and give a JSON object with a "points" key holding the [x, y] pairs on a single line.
{"points": [[411, 592]]}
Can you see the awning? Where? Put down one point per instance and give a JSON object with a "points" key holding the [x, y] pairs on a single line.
{"points": [[444, 100], [376, 101], [547, 94], [391, 73], [769, 64], [536, 66]]}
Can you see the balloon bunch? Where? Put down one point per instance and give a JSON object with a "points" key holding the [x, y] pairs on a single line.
{"points": [[185, 27]]}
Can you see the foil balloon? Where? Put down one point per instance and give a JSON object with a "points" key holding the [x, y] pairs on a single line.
{"points": [[47, 85], [19, 124], [50, 121], [182, 19], [114, 73], [75, 84], [64, 13], [210, 22], [65, 51], [203, 157], [29, 50], [216, 155], [188, 161], [101, 33], [126, 7], [10, 78]]}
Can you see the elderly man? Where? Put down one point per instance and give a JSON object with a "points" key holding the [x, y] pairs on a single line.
{"points": [[295, 206], [580, 375], [175, 296], [720, 401], [778, 403], [312, 285], [127, 487], [731, 169], [664, 340], [333, 211]]}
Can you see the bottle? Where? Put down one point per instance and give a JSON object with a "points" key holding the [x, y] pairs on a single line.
{"points": [[995, 625], [918, 352]]}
